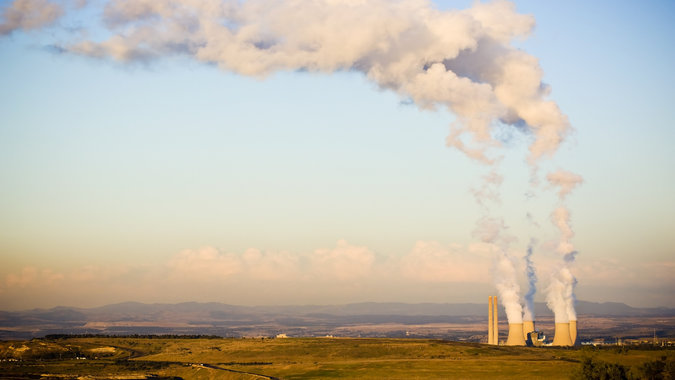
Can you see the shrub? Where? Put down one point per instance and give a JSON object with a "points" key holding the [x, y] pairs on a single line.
{"points": [[657, 370], [599, 370]]}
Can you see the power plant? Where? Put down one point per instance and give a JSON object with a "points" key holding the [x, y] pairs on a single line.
{"points": [[524, 334]]}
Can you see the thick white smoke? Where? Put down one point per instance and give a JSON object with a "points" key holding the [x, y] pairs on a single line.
{"points": [[561, 219], [506, 281], [28, 14], [528, 307], [560, 293], [460, 60], [492, 231]]}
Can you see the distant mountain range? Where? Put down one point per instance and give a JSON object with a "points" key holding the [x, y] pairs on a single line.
{"points": [[231, 320], [136, 310]]}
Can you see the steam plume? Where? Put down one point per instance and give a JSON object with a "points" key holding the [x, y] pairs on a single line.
{"points": [[560, 293], [528, 307], [508, 288], [460, 60], [491, 230], [566, 181], [28, 14]]}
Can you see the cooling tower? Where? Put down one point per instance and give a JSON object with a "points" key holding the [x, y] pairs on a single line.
{"points": [[515, 335], [562, 335], [528, 327], [573, 333], [491, 335], [495, 321]]}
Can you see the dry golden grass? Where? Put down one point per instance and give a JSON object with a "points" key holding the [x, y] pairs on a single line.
{"points": [[305, 358]]}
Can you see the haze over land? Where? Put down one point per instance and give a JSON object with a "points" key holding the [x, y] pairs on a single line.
{"points": [[463, 321], [166, 180]]}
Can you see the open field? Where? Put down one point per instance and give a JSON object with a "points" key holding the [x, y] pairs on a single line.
{"points": [[300, 358]]}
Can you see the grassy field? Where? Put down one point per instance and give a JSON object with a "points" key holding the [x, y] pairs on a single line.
{"points": [[303, 358]]}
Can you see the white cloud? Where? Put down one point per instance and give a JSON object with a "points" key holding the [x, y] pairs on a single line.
{"points": [[32, 277], [433, 262], [271, 266], [344, 262], [431, 271], [204, 264]]}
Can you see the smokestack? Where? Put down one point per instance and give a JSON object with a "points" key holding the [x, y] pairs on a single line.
{"points": [[528, 327], [562, 334], [495, 322], [491, 335], [573, 333], [515, 335]]}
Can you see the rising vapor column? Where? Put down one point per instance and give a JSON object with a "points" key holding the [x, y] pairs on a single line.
{"points": [[528, 305], [560, 298]]}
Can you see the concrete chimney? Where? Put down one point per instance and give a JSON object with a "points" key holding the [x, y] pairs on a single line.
{"points": [[562, 335], [515, 335], [491, 335], [528, 327], [495, 322], [573, 333]]}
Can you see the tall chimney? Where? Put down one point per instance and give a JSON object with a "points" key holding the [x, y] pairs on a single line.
{"points": [[562, 335], [515, 335], [528, 327], [495, 322], [573, 333], [491, 335]]}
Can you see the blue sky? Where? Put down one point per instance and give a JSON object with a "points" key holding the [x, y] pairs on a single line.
{"points": [[128, 166]]}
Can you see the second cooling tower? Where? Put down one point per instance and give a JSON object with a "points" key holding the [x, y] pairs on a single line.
{"points": [[562, 334], [516, 337]]}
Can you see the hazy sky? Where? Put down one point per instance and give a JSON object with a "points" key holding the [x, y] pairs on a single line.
{"points": [[166, 179]]}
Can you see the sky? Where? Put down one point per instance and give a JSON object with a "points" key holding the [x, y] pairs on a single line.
{"points": [[168, 178]]}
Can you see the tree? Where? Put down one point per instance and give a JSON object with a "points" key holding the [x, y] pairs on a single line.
{"points": [[599, 370]]}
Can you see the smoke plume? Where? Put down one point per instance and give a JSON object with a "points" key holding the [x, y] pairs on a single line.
{"points": [[459, 60], [492, 231], [528, 307], [565, 181], [489, 189], [560, 293], [506, 281], [28, 14]]}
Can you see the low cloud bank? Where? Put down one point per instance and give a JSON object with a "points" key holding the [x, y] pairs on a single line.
{"points": [[429, 272]]}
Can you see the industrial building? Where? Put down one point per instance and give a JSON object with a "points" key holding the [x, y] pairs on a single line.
{"points": [[525, 334]]}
